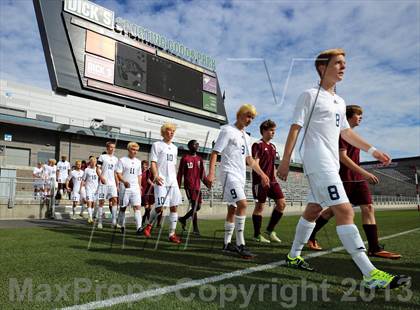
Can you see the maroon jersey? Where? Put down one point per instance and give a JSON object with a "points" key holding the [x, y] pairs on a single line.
{"points": [[266, 153], [191, 167], [346, 173], [145, 186]]}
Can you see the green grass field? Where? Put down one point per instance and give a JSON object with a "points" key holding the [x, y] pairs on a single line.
{"points": [[60, 271]]}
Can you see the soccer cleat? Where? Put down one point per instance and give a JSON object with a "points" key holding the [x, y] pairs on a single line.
{"points": [[90, 221], [139, 232], [380, 252], [381, 280], [81, 215], [230, 249], [273, 237], [244, 252], [174, 238], [298, 263], [196, 233], [260, 238], [183, 223], [100, 226], [122, 229], [314, 245], [118, 226], [147, 231]]}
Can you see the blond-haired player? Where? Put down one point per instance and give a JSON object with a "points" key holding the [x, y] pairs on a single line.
{"points": [[108, 182], [233, 143], [129, 173], [38, 181], [167, 194], [50, 172], [90, 183], [75, 176], [323, 115]]}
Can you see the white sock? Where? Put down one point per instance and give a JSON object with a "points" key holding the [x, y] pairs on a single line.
{"points": [[173, 219], [114, 215], [121, 217], [100, 210], [302, 234], [137, 216], [352, 242], [153, 216], [229, 228], [239, 227], [90, 212]]}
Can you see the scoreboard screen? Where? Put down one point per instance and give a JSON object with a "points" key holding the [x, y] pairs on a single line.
{"points": [[90, 58]]}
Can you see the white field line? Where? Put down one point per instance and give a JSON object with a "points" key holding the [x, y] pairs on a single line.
{"points": [[193, 283]]}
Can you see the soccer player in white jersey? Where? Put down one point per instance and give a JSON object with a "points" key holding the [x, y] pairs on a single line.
{"points": [[107, 183], [167, 194], [233, 143], [38, 181], [129, 173], [323, 115], [63, 170], [75, 177], [50, 172], [90, 183]]}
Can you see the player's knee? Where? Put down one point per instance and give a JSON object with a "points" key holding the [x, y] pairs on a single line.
{"points": [[281, 205], [367, 209]]}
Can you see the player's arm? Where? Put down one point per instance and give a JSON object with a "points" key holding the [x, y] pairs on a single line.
{"points": [[212, 168], [57, 174], [99, 171], [180, 172], [283, 169], [265, 180], [155, 173], [67, 182], [371, 178], [350, 136], [119, 175]]}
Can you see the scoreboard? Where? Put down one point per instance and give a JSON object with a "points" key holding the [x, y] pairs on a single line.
{"points": [[89, 55]]}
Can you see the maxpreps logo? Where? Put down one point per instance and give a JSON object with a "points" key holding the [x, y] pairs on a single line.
{"points": [[90, 11]]}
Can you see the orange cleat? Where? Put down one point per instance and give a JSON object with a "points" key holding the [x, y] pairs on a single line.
{"points": [[380, 252], [147, 231], [175, 239], [314, 245]]}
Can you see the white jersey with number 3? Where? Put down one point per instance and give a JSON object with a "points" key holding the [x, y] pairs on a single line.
{"points": [[320, 146], [235, 146], [131, 170], [165, 155]]}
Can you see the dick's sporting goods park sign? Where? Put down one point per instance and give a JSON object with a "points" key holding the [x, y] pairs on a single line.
{"points": [[104, 17], [91, 53]]}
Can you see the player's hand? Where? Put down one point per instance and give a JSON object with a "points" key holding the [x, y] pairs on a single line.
{"points": [[283, 170], [265, 181], [371, 178], [103, 180], [126, 184], [211, 179], [159, 181], [384, 158], [68, 189]]}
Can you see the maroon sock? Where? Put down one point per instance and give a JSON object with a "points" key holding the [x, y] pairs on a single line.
{"points": [[275, 218], [319, 223], [146, 215], [257, 221], [195, 222], [371, 231]]}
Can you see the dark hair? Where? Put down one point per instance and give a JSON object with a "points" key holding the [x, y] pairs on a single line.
{"points": [[191, 142], [144, 162], [353, 109], [266, 125]]}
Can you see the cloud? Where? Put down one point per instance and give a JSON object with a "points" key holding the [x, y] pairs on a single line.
{"points": [[381, 40]]}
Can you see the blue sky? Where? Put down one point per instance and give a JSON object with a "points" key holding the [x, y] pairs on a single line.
{"points": [[381, 38]]}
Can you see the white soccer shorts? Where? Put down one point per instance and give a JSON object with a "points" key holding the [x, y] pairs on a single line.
{"points": [[75, 197], [233, 189], [167, 196], [326, 189], [132, 197], [107, 192], [91, 196]]}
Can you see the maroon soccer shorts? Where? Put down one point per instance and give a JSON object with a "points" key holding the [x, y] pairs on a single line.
{"points": [[194, 196], [260, 193], [358, 193], [148, 199]]}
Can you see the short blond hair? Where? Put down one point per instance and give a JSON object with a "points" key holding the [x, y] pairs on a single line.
{"points": [[132, 144], [52, 161], [325, 56], [92, 158], [78, 162], [247, 108], [166, 126]]}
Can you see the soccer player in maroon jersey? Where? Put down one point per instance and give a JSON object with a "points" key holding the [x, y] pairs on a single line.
{"points": [[264, 153], [355, 180], [147, 192], [191, 168]]}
